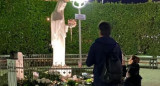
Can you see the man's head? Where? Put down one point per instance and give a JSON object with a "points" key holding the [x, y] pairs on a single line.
{"points": [[105, 29]]}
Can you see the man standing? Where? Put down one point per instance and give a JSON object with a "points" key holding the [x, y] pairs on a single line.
{"points": [[98, 53]]}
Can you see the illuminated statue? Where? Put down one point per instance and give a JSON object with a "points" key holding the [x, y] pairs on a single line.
{"points": [[58, 33]]}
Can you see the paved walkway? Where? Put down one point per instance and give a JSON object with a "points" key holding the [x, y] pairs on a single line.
{"points": [[151, 77]]}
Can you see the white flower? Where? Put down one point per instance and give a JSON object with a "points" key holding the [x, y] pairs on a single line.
{"points": [[43, 80], [48, 81], [38, 80], [35, 75], [92, 75], [25, 76], [46, 72], [75, 77], [36, 85]]}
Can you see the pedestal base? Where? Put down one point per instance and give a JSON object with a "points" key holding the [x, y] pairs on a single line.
{"points": [[64, 71]]}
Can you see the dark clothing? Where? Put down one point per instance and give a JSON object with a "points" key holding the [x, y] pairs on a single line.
{"points": [[99, 48], [134, 78], [124, 70], [133, 81], [133, 69]]}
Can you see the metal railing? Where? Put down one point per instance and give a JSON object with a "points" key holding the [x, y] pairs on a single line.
{"points": [[72, 59], [43, 62], [145, 61]]}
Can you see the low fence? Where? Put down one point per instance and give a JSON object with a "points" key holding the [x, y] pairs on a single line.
{"points": [[146, 61], [49, 73], [158, 61], [42, 63], [35, 60], [3, 70]]}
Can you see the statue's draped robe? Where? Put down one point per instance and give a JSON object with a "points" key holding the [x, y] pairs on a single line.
{"points": [[58, 34]]}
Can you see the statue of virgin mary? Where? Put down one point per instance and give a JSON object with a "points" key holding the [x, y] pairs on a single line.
{"points": [[58, 33]]}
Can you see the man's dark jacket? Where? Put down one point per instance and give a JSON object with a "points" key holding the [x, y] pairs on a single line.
{"points": [[97, 54]]}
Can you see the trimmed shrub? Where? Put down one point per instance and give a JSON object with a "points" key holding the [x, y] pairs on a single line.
{"points": [[23, 26]]}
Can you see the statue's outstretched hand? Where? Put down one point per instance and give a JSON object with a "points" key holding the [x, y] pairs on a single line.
{"points": [[72, 23]]}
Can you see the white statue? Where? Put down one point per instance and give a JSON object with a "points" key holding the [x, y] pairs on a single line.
{"points": [[58, 33]]}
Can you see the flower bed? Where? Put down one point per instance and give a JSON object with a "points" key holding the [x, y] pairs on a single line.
{"points": [[40, 78]]}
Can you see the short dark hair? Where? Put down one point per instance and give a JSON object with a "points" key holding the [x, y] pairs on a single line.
{"points": [[105, 28], [135, 59]]}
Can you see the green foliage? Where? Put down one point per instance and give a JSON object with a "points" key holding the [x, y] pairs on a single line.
{"points": [[42, 74], [4, 80], [23, 26], [71, 83]]}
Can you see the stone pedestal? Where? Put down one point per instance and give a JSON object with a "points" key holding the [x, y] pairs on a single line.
{"points": [[64, 71], [15, 69], [19, 65]]}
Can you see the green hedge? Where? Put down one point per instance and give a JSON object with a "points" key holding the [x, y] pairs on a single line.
{"points": [[23, 26]]}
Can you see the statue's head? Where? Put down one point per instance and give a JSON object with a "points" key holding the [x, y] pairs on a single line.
{"points": [[61, 4]]}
